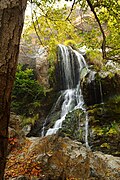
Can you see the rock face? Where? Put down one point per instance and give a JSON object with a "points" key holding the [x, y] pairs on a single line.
{"points": [[36, 58], [103, 127], [62, 158], [74, 126], [42, 67], [101, 88], [103, 84], [26, 57]]}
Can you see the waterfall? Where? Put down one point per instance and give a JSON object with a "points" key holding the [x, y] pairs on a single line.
{"points": [[101, 93], [71, 63]]}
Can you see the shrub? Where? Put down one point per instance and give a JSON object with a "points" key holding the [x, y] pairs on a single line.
{"points": [[27, 93]]}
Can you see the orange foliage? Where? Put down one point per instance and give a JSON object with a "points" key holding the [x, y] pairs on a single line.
{"points": [[12, 141], [20, 164]]}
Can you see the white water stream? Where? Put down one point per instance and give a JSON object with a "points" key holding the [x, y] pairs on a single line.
{"points": [[72, 62]]}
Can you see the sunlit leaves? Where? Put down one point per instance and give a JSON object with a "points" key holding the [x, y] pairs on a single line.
{"points": [[53, 27], [108, 12], [109, 16]]}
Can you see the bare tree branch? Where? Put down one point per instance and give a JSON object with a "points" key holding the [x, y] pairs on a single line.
{"points": [[101, 29], [36, 30], [71, 10]]}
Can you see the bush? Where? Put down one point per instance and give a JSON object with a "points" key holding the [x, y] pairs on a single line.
{"points": [[27, 93]]}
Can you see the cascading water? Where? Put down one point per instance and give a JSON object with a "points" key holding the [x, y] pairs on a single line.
{"points": [[71, 64]]}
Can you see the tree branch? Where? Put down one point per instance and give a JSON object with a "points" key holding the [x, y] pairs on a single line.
{"points": [[101, 29], [35, 28], [71, 10]]}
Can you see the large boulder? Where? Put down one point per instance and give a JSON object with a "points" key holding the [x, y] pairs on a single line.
{"points": [[62, 158]]}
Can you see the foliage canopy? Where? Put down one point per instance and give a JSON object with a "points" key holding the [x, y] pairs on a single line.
{"points": [[55, 24]]}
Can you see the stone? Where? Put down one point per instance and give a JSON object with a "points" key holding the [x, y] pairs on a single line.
{"points": [[97, 87], [64, 158], [15, 121], [42, 67], [19, 178], [12, 132], [22, 178]]}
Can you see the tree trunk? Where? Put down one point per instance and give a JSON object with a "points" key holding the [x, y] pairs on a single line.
{"points": [[11, 24]]}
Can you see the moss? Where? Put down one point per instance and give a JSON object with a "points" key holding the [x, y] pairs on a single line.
{"points": [[73, 126], [105, 145], [71, 43], [80, 133], [98, 131], [27, 121], [117, 153], [111, 132], [95, 58], [114, 129], [115, 99]]}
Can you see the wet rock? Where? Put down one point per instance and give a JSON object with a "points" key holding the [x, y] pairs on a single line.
{"points": [[103, 126], [97, 87], [49, 112], [74, 125]]}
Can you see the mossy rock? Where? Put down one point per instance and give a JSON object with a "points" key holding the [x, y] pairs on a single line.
{"points": [[104, 127], [100, 88], [74, 125]]}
